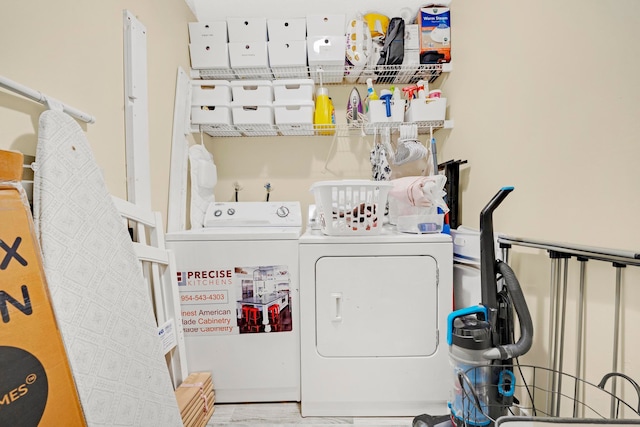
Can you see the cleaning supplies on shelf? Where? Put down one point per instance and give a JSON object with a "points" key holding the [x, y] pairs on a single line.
{"points": [[371, 94], [354, 107], [322, 117], [385, 96]]}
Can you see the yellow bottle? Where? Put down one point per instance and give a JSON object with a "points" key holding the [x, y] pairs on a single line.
{"points": [[322, 115]]}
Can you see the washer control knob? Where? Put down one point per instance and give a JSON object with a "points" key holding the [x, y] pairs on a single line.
{"points": [[282, 212], [217, 212], [231, 211]]}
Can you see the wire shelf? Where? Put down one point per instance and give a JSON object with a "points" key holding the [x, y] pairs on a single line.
{"points": [[391, 74], [481, 397], [339, 130]]}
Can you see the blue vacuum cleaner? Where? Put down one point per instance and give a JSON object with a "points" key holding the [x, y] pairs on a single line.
{"points": [[481, 340]]}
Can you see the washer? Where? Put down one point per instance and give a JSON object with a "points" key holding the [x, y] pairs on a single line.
{"points": [[238, 282], [373, 323]]}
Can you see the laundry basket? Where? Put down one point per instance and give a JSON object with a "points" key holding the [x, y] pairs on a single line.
{"points": [[351, 207]]}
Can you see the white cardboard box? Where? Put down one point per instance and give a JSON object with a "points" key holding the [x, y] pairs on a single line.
{"points": [[250, 60], [209, 55], [288, 59], [247, 29], [328, 54], [287, 29], [208, 32], [326, 25]]}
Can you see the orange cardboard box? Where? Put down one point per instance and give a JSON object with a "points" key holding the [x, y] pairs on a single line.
{"points": [[36, 384]]}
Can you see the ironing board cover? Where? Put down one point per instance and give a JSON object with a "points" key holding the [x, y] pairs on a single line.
{"points": [[97, 289]]}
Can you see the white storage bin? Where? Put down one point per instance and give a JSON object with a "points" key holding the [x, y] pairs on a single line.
{"points": [[288, 59], [326, 25], [294, 117], [214, 119], [247, 29], [252, 92], [293, 90], [250, 60], [287, 29], [326, 57], [211, 114], [377, 114], [427, 110], [253, 119], [210, 92], [351, 207], [208, 32], [209, 56]]}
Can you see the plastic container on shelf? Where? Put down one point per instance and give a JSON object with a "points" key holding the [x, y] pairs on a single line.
{"points": [[322, 117], [350, 207]]}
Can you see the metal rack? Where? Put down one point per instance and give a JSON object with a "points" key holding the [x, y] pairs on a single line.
{"points": [[560, 254], [391, 74]]}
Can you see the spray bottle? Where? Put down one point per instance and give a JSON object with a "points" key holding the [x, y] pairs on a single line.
{"points": [[371, 94]]}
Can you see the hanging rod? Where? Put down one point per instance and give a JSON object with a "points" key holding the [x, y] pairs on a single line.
{"points": [[42, 98], [590, 252]]}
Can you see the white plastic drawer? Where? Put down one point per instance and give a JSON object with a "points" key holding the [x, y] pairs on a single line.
{"points": [[210, 92], [252, 92], [211, 114], [293, 90]]}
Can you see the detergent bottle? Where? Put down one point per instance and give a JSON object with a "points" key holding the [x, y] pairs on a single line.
{"points": [[323, 117], [371, 94]]}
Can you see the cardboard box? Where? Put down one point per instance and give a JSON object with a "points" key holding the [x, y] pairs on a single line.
{"points": [[36, 386], [326, 56], [208, 32], [213, 55], [435, 34], [250, 60], [286, 30], [326, 25], [288, 59], [247, 29]]}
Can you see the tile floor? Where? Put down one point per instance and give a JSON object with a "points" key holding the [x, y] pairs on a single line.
{"points": [[288, 414]]}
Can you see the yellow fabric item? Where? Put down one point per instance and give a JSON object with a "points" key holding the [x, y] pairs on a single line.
{"points": [[377, 23]]}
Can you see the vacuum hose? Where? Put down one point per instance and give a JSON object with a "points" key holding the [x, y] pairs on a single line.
{"points": [[523, 345]]}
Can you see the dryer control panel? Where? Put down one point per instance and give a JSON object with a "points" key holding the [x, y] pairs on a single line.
{"points": [[253, 214]]}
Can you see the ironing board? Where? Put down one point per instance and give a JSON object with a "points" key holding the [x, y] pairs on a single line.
{"points": [[97, 287]]}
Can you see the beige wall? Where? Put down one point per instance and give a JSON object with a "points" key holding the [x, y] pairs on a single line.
{"points": [[544, 96]]}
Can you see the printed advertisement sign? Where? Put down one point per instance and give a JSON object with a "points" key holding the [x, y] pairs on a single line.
{"points": [[235, 300]]}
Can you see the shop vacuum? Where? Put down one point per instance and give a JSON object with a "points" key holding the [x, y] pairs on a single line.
{"points": [[481, 340]]}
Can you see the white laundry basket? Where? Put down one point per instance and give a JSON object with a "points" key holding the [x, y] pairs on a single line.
{"points": [[351, 207]]}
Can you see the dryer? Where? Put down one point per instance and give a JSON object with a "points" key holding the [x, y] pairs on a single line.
{"points": [[238, 283], [373, 323]]}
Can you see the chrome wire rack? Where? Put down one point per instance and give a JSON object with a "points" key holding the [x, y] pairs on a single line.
{"points": [[538, 393], [399, 74]]}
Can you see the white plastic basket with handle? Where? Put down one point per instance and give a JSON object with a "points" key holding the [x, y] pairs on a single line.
{"points": [[350, 207]]}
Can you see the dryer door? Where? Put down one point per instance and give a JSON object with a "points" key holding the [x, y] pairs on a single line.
{"points": [[376, 306]]}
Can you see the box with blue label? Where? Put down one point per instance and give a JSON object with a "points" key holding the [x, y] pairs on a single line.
{"points": [[435, 34]]}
